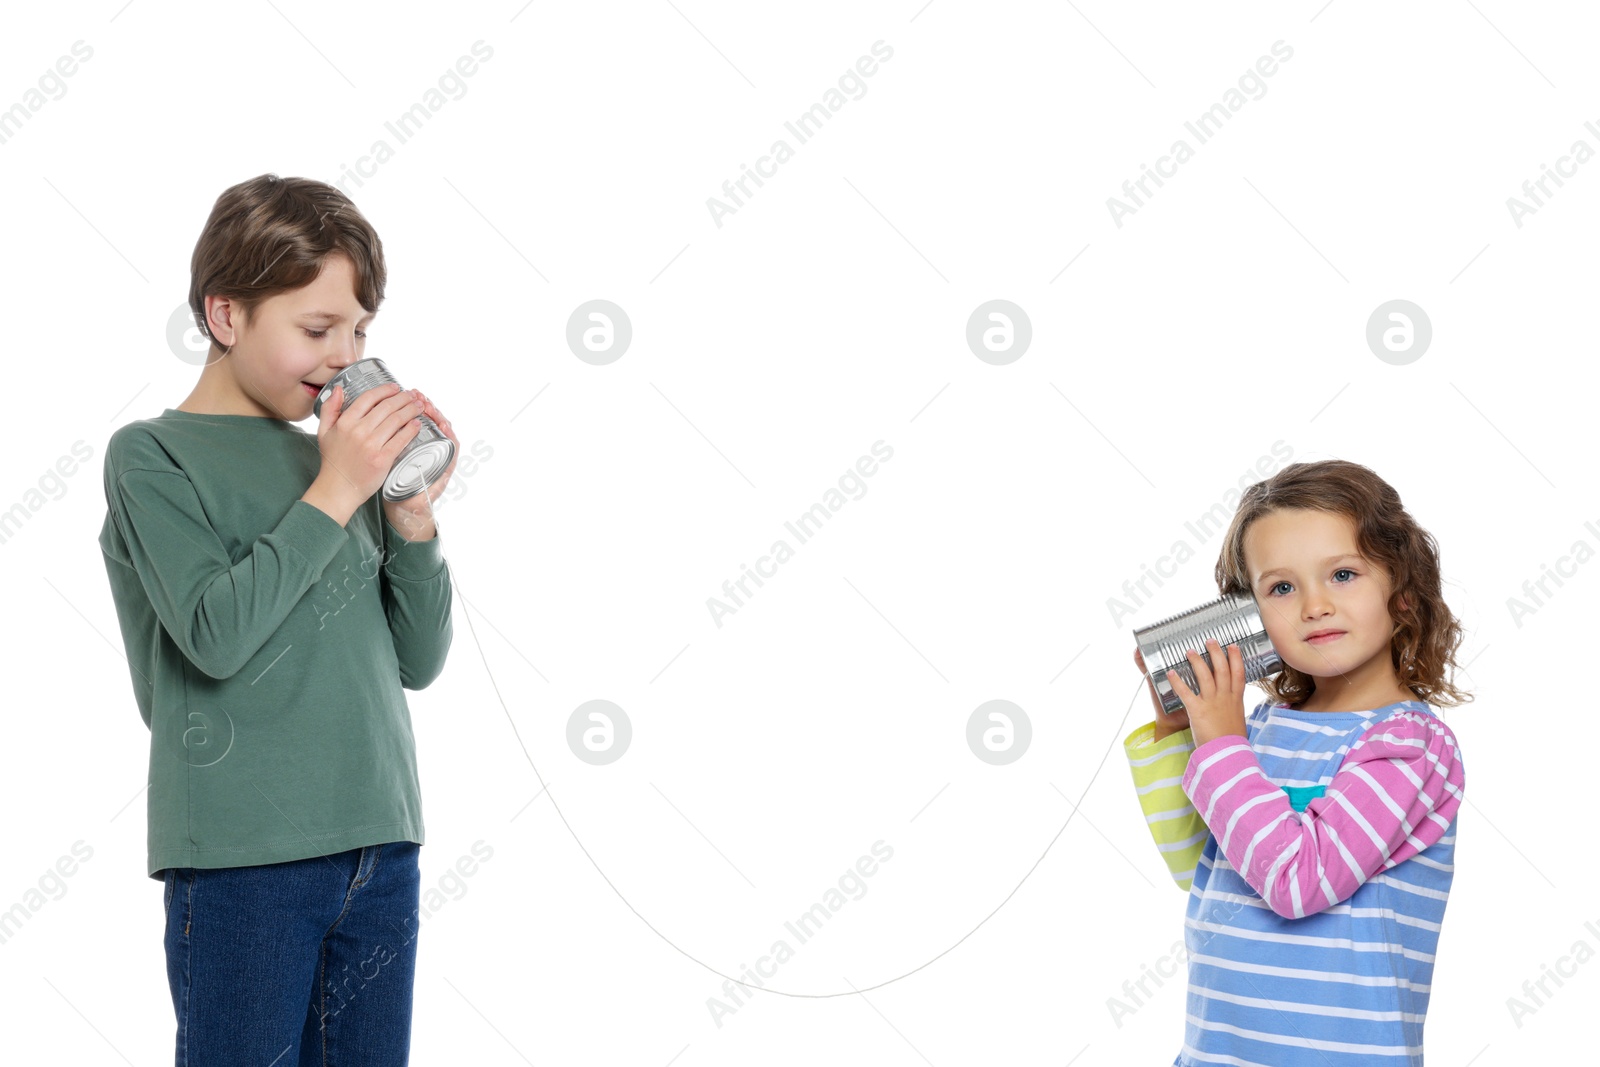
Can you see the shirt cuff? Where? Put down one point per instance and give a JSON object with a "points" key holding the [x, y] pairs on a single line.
{"points": [[312, 533], [1144, 736], [412, 561]]}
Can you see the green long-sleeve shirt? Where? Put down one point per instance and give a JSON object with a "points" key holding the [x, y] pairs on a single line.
{"points": [[267, 644]]}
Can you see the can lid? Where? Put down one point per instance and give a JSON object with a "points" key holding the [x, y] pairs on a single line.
{"points": [[418, 469]]}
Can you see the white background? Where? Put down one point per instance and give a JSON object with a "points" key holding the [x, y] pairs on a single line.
{"points": [[1168, 355]]}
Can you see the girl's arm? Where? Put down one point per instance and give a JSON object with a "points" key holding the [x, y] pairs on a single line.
{"points": [[1158, 765], [1395, 794]]}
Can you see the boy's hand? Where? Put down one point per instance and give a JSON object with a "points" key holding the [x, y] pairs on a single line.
{"points": [[359, 444], [414, 517], [1218, 709], [1166, 722]]}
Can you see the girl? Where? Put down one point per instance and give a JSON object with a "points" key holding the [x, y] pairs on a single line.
{"points": [[1316, 837]]}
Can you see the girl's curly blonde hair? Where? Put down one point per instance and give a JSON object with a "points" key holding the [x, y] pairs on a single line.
{"points": [[1427, 633]]}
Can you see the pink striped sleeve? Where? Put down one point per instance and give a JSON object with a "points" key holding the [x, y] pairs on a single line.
{"points": [[1395, 793]]}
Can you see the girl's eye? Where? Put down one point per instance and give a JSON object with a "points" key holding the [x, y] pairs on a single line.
{"points": [[1342, 570]]}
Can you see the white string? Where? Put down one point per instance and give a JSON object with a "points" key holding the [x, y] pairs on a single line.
{"points": [[545, 789]]}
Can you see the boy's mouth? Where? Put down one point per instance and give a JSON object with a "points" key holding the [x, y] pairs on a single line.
{"points": [[311, 388]]}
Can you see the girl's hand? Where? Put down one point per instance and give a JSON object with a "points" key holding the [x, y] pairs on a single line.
{"points": [[1218, 709], [414, 517], [1167, 722]]}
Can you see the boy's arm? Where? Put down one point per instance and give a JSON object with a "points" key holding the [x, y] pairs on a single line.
{"points": [[1158, 765], [1395, 794], [416, 600], [219, 613]]}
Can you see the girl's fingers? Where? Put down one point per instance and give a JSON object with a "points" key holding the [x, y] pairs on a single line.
{"points": [[1180, 686], [1202, 674], [1226, 666]]}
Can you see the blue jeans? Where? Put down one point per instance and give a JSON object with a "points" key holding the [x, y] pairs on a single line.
{"points": [[308, 962]]}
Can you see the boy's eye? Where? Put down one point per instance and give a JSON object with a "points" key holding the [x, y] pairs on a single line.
{"points": [[323, 333]]}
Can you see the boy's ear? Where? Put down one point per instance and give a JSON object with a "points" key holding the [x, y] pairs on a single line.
{"points": [[219, 319]]}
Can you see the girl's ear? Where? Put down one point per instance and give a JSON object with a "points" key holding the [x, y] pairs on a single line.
{"points": [[1402, 604]]}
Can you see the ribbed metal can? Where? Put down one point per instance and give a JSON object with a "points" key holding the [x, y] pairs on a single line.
{"points": [[422, 461], [1232, 620]]}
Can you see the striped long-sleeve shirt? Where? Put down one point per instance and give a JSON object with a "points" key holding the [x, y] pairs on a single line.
{"points": [[1318, 854]]}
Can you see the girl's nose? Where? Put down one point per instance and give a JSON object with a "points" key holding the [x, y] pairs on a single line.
{"points": [[1316, 607]]}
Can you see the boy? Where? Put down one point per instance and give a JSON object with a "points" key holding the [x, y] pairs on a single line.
{"points": [[273, 606]]}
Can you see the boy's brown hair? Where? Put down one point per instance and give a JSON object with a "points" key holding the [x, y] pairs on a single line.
{"points": [[271, 234], [1427, 633]]}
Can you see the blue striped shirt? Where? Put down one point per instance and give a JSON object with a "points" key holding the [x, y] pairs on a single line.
{"points": [[1346, 984]]}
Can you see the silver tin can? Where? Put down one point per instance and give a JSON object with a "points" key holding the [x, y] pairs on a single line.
{"points": [[422, 461], [1231, 620]]}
